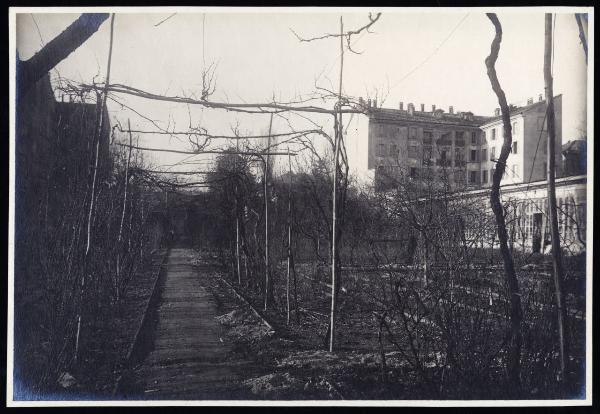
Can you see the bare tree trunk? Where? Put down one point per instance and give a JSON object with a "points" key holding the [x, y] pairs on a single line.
{"points": [[32, 70], [555, 237], [515, 334], [334, 246]]}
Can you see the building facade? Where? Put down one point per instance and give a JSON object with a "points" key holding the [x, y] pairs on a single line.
{"points": [[460, 149], [424, 146], [527, 159], [526, 207]]}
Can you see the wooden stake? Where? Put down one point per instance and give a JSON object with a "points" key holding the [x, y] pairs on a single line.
{"points": [[338, 138], [551, 177], [266, 178]]}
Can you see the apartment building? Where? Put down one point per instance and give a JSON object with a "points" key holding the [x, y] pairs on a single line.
{"points": [[527, 159], [460, 149], [424, 145]]}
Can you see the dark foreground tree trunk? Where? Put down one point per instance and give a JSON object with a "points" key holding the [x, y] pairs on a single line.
{"points": [[30, 71], [514, 334]]}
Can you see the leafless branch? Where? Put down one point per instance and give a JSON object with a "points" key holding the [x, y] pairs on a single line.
{"points": [[347, 35]]}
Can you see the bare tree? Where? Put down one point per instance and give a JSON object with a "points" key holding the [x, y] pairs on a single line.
{"points": [[514, 359]]}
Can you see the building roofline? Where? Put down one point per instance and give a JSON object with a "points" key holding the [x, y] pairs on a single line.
{"points": [[519, 110], [534, 185], [425, 117]]}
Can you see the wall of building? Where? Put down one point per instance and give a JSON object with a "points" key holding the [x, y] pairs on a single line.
{"points": [[428, 147], [515, 163], [527, 215], [393, 149]]}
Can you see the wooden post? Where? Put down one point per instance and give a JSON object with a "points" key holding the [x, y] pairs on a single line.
{"points": [[554, 231], [266, 178], [334, 247], [98, 133], [289, 247], [123, 213], [237, 220]]}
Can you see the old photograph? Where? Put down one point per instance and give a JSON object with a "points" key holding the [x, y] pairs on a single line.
{"points": [[300, 206]]}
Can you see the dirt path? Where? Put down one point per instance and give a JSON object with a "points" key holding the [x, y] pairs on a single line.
{"points": [[189, 359]]}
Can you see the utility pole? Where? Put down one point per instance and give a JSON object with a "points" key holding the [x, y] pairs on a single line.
{"points": [[551, 177]]}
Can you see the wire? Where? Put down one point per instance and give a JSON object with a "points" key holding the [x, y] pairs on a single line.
{"points": [[164, 20], [432, 53]]}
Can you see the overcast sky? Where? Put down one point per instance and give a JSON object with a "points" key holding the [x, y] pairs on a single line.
{"points": [[420, 57]]}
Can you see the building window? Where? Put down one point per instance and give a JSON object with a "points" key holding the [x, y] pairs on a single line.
{"points": [[380, 150], [492, 173], [514, 128], [394, 151], [515, 171], [484, 137], [472, 177], [413, 172], [427, 150], [484, 176], [473, 155], [493, 154], [459, 177], [484, 154], [427, 135], [473, 138], [444, 157], [459, 157], [412, 151], [412, 133], [493, 134], [514, 147]]}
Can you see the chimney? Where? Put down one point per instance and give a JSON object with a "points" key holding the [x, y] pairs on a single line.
{"points": [[497, 112], [411, 108], [540, 99], [401, 106], [374, 103], [422, 107], [529, 101], [361, 101], [369, 103], [432, 108], [451, 109]]}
